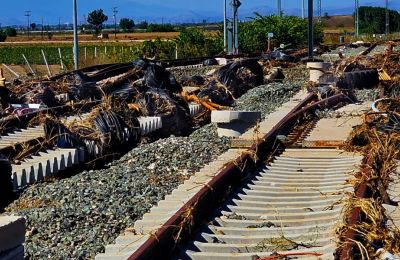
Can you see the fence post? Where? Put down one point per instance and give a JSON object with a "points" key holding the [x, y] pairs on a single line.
{"points": [[29, 65], [12, 71], [47, 64], [61, 59], [95, 52], [85, 53]]}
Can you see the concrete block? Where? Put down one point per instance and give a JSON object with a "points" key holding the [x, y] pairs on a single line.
{"points": [[234, 123], [12, 232], [318, 69], [149, 124], [230, 116]]}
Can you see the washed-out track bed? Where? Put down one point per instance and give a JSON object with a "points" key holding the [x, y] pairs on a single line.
{"points": [[286, 206], [46, 202]]}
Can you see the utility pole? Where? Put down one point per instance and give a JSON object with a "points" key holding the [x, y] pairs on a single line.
{"points": [[115, 11], [28, 14], [76, 49], [356, 17], [302, 9], [319, 6], [310, 29], [42, 29], [236, 4], [387, 19], [279, 11], [225, 31]]}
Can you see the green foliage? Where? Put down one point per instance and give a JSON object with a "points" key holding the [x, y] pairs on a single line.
{"points": [[373, 20], [194, 42], [157, 49], [160, 28], [10, 32], [126, 24], [289, 30], [33, 26], [143, 25], [3, 36], [96, 19]]}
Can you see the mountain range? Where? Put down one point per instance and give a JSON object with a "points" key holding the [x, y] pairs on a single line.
{"points": [[172, 11]]}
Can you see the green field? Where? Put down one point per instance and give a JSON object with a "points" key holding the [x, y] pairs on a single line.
{"points": [[89, 54]]}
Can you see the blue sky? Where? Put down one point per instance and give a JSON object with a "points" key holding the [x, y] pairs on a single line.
{"points": [[12, 11]]}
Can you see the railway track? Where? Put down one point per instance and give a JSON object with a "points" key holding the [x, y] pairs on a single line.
{"points": [[285, 206], [273, 195]]}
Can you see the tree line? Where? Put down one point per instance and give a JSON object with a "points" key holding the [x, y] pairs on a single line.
{"points": [[372, 20]]}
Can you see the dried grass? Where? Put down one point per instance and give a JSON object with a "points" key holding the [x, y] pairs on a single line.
{"points": [[380, 150]]}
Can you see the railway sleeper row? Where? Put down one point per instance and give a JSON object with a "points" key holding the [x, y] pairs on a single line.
{"points": [[288, 206], [49, 161]]}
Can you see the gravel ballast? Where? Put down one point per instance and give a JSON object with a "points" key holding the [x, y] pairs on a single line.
{"points": [[75, 217], [266, 98]]}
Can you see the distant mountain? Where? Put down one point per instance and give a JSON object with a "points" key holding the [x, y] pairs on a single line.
{"points": [[157, 11]]}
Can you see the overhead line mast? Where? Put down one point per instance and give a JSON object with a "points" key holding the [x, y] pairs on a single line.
{"points": [[279, 5]]}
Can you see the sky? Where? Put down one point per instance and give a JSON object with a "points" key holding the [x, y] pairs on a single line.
{"points": [[174, 11]]}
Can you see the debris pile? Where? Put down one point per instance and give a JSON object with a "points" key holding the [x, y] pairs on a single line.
{"points": [[83, 221], [378, 139], [110, 107]]}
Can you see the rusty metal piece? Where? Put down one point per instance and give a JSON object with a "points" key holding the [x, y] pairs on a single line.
{"points": [[348, 252]]}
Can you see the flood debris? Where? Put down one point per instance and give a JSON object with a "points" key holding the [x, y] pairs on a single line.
{"points": [[378, 139]]}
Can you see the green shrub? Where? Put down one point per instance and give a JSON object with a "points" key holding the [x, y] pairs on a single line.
{"points": [[10, 32], [3, 36], [289, 30]]}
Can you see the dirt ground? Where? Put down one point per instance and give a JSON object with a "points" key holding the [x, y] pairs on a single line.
{"points": [[90, 38], [23, 70]]}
